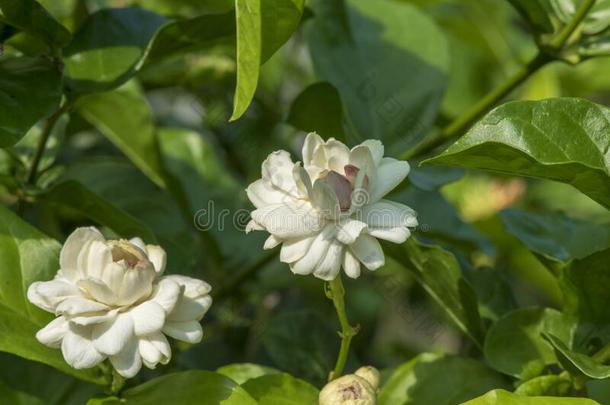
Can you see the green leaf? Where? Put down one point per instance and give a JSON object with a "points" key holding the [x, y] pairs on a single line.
{"points": [[77, 198], [124, 117], [562, 139], [30, 90], [439, 380], [26, 256], [108, 47], [281, 389], [318, 109], [263, 26], [186, 388], [396, 98], [31, 17], [438, 272], [537, 13], [501, 397], [596, 21], [556, 236], [553, 385], [249, 49], [522, 330], [242, 372]]}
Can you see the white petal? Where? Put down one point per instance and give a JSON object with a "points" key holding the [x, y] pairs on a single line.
{"points": [[193, 287], [111, 337], [287, 221], [368, 250], [295, 249], [271, 242], [329, 267], [148, 317], [113, 276], [128, 362], [78, 349], [397, 235], [75, 306], [337, 154], [361, 157], [98, 290], [189, 332], [351, 265], [349, 229], [190, 309], [302, 180], [48, 294], [387, 214], [92, 318], [154, 349], [390, 173], [74, 244], [52, 334], [137, 283], [325, 200], [376, 148], [157, 256], [312, 141], [99, 255], [277, 169], [253, 226], [308, 263], [139, 243], [166, 293], [261, 193]]}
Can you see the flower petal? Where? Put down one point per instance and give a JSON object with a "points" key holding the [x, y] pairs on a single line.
{"points": [[166, 293], [78, 349], [308, 263], [261, 193], [189, 332], [193, 287], [48, 295], [390, 173], [93, 318], [271, 242], [376, 148], [295, 249], [329, 267], [190, 309], [368, 250], [53, 334], [277, 169], [397, 235], [75, 306], [139, 243], [148, 317], [361, 157], [111, 337], [68, 257], [128, 361], [287, 221], [349, 229], [98, 290], [137, 283], [157, 256], [98, 256], [312, 141], [325, 199], [387, 214], [351, 265], [337, 154], [154, 349]]}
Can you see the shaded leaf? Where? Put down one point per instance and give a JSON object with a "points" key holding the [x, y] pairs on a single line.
{"points": [[501, 397], [318, 109], [281, 389]]}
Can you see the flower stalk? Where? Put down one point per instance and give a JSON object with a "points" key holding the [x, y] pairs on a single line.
{"points": [[336, 292]]}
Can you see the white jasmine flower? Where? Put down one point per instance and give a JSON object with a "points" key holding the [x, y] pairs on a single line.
{"points": [[329, 211], [111, 302], [359, 388]]}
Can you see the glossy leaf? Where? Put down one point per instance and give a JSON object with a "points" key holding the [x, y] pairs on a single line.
{"points": [[501, 397], [562, 139], [29, 16], [552, 385], [281, 389], [437, 379], [318, 109], [556, 236], [521, 330], [242, 372], [439, 274], [396, 98], [124, 117], [26, 256], [30, 90]]}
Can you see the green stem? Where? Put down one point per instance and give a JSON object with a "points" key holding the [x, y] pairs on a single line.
{"points": [[336, 292], [117, 383], [558, 42], [603, 355]]}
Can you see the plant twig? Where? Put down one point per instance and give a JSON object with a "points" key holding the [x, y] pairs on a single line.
{"points": [[336, 292]]}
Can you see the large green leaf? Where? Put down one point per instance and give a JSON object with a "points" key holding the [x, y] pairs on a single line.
{"points": [[439, 380], [242, 372], [556, 236], [562, 139], [108, 47], [124, 117], [281, 389], [318, 109], [389, 62], [521, 330], [29, 16], [30, 90], [186, 388], [263, 26], [501, 397], [439, 274], [77, 198], [26, 256]]}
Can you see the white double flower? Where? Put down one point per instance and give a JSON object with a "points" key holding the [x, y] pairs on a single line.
{"points": [[329, 212], [111, 302]]}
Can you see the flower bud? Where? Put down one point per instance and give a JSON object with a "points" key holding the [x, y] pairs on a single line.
{"points": [[370, 374], [350, 389]]}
